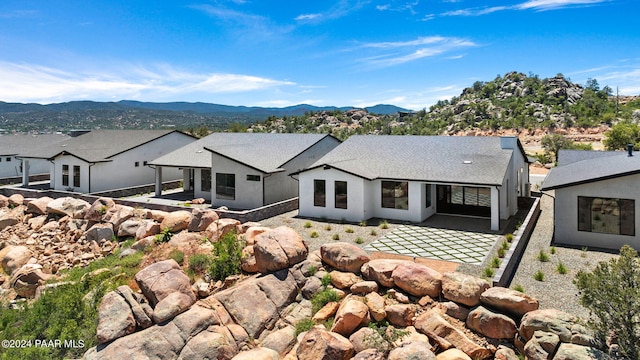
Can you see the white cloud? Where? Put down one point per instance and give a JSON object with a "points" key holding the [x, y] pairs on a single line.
{"points": [[400, 52], [341, 9], [34, 83], [624, 75], [555, 4], [308, 17]]}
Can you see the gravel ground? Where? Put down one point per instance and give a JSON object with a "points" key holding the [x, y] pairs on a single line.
{"points": [[557, 290]]}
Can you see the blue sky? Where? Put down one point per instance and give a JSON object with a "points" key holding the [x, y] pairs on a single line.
{"points": [[281, 53]]}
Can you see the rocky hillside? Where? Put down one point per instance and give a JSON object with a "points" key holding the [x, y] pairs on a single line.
{"points": [[514, 101], [334, 303]]}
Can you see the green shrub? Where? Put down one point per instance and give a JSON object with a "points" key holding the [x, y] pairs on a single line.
{"points": [[363, 223], [519, 288], [373, 232], [542, 256], [348, 230], [384, 224], [495, 262], [177, 255], [505, 245], [322, 298], [327, 227], [335, 237], [227, 259], [359, 240], [489, 272], [326, 280], [314, 234], [553, 250], [388, 334], [611, 294], [561, 269], [303, 325], [502, 252], [199, 263], [164, 236], [509, 237], [539, 275], [312, 270], [307, 225]]}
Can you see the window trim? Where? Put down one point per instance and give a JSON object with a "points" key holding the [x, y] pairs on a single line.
{"points": [[390, 185], [586, 224], [65, 175], [337, 201], [76, 176], [319, 199], [230, 191]]}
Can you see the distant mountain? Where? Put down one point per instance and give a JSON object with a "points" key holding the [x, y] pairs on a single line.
{"points": [[128, 114]]}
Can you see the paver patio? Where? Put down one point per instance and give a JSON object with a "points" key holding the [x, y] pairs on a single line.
{"points": [[437, 243]]}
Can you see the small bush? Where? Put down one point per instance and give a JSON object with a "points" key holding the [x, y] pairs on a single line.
{"points": [[384, 224], [495, 262], [502, 252], [542, 256], [307, 225], [326, 280], [509, 237], [553, 250], [359, 240], [327, 227], [539, 275], [322, 298], [303, 325], [177, 255], [561, 269], [312, 270], [489, 272], [164, 236], [519, 288], [314, 234], [199, 263], [373, 232], [227, 259], [335, 237], [363, 223], [505, 245], [348, 230]]}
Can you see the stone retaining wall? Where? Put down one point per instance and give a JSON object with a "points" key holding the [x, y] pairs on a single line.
{"points": [[261, 213], [142, 189], [18, 179]]}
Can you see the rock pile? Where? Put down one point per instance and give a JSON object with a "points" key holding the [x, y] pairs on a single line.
{"points": [[426, 315]]}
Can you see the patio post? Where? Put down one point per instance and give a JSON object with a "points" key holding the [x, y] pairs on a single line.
{"points": [[158, 180], [495, 209], [25, 172]]}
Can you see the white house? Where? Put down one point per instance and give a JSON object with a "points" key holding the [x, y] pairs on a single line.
{"points": [[13, 145], [245, 170], [596, 198], [410, 178], [104, 160]]}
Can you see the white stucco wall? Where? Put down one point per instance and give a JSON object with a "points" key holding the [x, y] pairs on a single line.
{"points": [[12, 167], [248, 194], [71, 161], [355, 210], [566, 213]]}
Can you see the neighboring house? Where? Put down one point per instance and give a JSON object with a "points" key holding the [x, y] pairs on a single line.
{"points": [[13, 145], [410, 178], [246, 170], [596, 198], [103, 160]]}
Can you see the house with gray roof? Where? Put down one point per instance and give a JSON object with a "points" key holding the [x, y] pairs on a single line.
{"points": [[103, 160], [410, 178], [596, 195], [12, 145], [245, 170]]}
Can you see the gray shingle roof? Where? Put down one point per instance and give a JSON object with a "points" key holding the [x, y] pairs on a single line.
{"points": [[566, 157], [265, 152], [448, 159], [99, 145], [592, 170], [22, 143]]}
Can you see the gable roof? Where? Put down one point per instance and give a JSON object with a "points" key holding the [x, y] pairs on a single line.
{"points": [[265, 152], [448, 159], [566, 157], [593, 168], [99, 145], [21, 143]]}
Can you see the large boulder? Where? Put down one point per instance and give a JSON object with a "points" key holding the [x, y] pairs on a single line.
{"points": [[16, 200], [201, 219], [368, 338], [11, 218], [509, 301], [4, 201], [319, 344], [549, 320], [100, 233], [376, 304], [343, 280], [259, 353], [431, 323], [413, 351], [38, 206], [68, 206], [278, 249], [251, 233], [344, 256], [453, 354], [542, 346], [115, 318], [463, 289], [160, 279], [147, 228], [176, 221], [117, 214], [281, 340], [129, 228], [417, 279], [208, 344], [99, 208], [579, 352], [27, 279], [491, 324], [400, 314], [13, 257], [173, 304], [381, 270], [221, 227], [350, 315]]}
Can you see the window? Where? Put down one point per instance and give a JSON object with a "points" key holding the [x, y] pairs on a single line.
{"points": [[463, 200], [76, 176], [319, 193], [395, 195], [205, 180], [8, 159], [428, 195], [137, 164], [225, 186], [144, 163], [65, 175], [341, 194], [606, 215], [253, 177]]}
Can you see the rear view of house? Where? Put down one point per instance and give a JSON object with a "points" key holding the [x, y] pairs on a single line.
{"points": [[12, 146], [410, 178], [245, 170], [596, 198], [104, 160]]}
